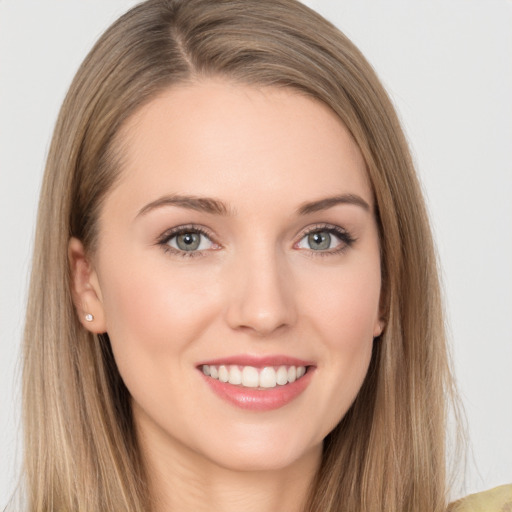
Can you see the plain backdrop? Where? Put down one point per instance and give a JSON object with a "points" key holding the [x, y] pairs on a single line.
{"points": [[447, 65]]}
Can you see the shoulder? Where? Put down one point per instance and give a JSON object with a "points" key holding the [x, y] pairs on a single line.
{"points": [[494, 500]]}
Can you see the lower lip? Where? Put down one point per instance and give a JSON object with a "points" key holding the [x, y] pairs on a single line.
{"points": [[257, 399]]}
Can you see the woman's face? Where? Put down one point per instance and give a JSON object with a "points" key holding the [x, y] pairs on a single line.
{"points": [[239, 245]]}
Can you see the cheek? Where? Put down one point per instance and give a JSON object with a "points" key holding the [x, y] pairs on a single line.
{"points": [[150, 309], [344, 313], [154, 315], [352, 310], [345, 304]]}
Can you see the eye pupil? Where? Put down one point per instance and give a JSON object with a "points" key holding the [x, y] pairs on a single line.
{"points": [[188, 241], [319, 240]]}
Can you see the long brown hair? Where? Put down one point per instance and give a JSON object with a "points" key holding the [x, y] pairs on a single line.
{"points": [[81, 452]]}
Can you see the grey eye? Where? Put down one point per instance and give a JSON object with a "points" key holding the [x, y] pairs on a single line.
{"points": [[189, 241], [319, 241], [324, 239]]}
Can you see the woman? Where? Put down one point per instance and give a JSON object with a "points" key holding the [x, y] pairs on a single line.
{"points": [[205, 152]]}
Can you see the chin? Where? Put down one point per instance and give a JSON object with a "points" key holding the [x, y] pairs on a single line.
{"points": [[269, 452]]}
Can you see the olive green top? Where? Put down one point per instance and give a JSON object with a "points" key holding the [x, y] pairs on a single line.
{"points": [[494, 500]]}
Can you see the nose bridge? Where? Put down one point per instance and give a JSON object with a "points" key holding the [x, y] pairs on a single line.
{"points": [[261, 298]]}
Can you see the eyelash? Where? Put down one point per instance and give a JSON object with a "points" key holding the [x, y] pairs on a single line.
{"points": [[347, 240], [168, 235]]}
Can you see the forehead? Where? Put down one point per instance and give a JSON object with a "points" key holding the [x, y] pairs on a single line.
{"points": [[240, 143]]}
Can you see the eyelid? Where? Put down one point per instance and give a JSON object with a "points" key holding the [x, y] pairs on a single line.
{"points": [[342, 234], [166, 236], [184, 228]]}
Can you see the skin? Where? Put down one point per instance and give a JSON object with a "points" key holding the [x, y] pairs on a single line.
{"points": [[254, 287]]}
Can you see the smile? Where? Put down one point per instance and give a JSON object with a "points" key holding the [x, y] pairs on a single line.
{"points": [[258, 383], [252, 377]]}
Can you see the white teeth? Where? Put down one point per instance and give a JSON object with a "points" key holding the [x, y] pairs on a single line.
{"points": [[235, 375], [223, 374], [268, 377], [251, 377], [282, 376]]}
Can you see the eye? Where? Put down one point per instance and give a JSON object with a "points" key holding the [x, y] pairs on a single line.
{"points": [[325, 239], [186, 240]]}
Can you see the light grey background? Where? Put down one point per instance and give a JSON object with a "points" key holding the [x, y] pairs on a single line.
{"points": [[448, 67]]}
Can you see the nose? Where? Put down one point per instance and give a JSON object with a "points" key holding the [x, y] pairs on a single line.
{"points": [[261, 295]]}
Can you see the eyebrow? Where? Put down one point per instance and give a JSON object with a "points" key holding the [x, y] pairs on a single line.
{"points": [[201, 204], [329, 202], [216, 207]]}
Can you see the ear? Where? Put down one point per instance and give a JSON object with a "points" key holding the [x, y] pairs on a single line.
{"points": [[85, 289], [380, 322], [378, 327]]}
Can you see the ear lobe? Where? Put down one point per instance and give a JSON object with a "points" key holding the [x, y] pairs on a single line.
{"points": [[378, 328], [85, 289], [380, 323]]}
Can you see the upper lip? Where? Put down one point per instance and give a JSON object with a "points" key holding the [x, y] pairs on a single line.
{"points": [[257, 361]]}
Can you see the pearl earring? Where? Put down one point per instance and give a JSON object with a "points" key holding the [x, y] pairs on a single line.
{"points": [[89, 317]]}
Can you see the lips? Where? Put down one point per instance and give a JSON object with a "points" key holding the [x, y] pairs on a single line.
{"points": [[257, 383]]}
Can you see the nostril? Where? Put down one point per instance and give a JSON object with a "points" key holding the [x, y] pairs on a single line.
{"points": [[258, 329]]}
